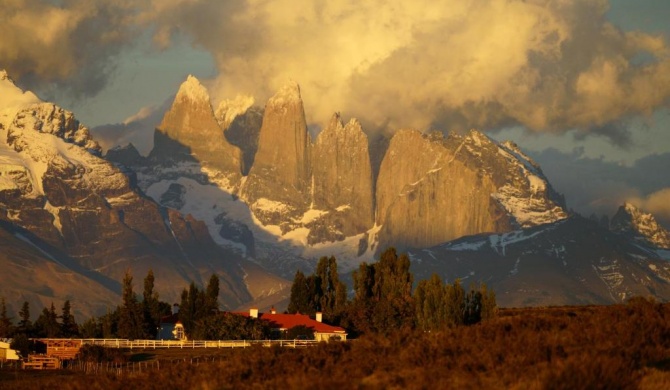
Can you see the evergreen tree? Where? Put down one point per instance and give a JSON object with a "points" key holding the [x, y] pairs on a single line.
{"points": [[25, 326], [130, 314], [473, 306], [91, 329], [5, 321], [47, 324], [109, 324], [300, 300], [69, 327]]}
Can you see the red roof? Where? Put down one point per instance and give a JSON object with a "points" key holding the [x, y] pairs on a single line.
{"points": [[288, 321]]}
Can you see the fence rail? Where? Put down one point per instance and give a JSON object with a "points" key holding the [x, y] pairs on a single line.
{"points": [[153, 344]]}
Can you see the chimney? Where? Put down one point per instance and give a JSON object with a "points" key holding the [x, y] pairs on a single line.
{"points": [[319, 316], [175, 308], [273, 311], [253, 312]]}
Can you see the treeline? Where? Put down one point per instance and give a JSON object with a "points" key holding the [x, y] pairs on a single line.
{"points": [[383, 300], [48, 324]]}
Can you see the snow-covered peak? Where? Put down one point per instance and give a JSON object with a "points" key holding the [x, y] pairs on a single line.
{"points": [[630, 219], [12, 99], [289, 93], [11, 95], [229, 109], [193, 90], [478, 138]]}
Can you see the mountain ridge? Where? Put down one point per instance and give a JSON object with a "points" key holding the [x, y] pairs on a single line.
{"points": [[241, 191]]}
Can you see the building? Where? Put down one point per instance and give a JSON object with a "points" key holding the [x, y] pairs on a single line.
{"points": [[281, 323], [170, 327], [6, 353]]}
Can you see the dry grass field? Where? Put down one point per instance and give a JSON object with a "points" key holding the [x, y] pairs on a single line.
{"points": [[597, 347]]}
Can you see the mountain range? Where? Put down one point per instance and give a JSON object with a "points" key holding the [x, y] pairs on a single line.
{"points": [[250, 194]]}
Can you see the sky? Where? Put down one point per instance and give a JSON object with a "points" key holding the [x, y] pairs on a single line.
{"points": [[582, 86]]}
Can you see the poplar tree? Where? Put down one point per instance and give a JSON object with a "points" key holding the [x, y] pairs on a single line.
{"points": [[5, 320], [455, 303], [383, 289], [431, 304], [151, 311], [212, 296], [299, 301]]}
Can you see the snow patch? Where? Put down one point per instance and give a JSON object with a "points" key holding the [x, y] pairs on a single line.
{"points": [[466, 246], [312, 215], [55, 211]]}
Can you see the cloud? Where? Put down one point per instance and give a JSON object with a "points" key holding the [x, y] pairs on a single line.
{"points": [[66, 45], [137, 129], [657, 203], [592, 185], [546, 65], [549, 66]]}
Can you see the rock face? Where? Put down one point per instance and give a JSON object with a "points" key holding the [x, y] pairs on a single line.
{"points": [[642, 226], [342, 178], [242, 123], [431, 189], [190, 130], [570, 262], [84, 211], [278, 186]]}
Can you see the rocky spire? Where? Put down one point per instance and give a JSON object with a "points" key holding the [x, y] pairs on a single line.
{"points": [[343, 176], [281, 169], [190, 130]]}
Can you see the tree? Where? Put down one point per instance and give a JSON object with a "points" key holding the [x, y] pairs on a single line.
{"points": [[130, 314], [455, 296], [47, 324], [5, 321], [383, 301], [68, 327], [430, 299], [300, 300], [151, 308], [333, 292], [489, 306], [229, 326], [109, 323], [212, 295], [91, 329], [473, 306], [25, 326]]}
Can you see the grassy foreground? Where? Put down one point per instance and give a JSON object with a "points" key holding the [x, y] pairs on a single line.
{"points": [[603, 347]]}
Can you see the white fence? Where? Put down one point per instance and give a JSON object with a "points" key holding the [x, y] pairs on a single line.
{"points": [[153, 344]]}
